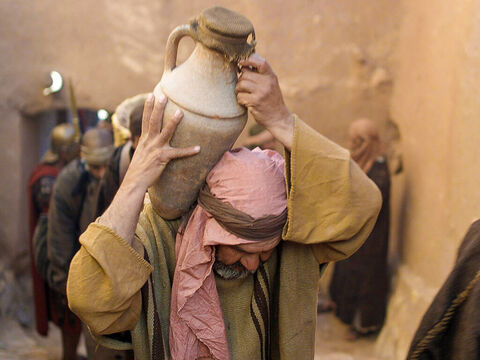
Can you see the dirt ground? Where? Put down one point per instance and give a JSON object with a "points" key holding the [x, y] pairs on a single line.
{"points": [[17, 343], [330, 343]]}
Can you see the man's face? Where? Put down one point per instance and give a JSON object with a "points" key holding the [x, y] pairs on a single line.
{"points": [[239, 261], [97, 171], [354, 140]]}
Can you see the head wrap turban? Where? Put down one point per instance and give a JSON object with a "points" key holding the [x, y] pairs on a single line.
{"points": [[253, 184]]}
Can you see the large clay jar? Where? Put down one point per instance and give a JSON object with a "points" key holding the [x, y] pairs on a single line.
{"points": [[203, 88]]}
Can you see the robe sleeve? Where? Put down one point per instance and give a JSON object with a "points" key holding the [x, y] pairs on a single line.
{"points": [[105, 280], [332, 204]]}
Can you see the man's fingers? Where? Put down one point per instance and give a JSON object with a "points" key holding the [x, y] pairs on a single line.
{"points": [[170, 127], [249, 74], [147, 112], [176, 153], [257, 62], [156, 119], [245, 99], [246, 86]]}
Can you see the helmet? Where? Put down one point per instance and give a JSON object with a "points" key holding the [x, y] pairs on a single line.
{"points": [[62, 139]]}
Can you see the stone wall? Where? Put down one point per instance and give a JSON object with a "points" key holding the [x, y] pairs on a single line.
{"points": [[435, 103]]}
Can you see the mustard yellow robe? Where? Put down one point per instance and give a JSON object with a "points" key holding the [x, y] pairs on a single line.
{"points": [[332, 208]]}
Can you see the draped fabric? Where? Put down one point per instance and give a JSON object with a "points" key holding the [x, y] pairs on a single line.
{"points": [[239, 223], [251, 182], [332, 207], [360, 284], [260, 310], [450, 328], [48, 306], [40, 288]]}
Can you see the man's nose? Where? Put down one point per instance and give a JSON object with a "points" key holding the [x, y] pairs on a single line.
{"points": [[250, 262]]}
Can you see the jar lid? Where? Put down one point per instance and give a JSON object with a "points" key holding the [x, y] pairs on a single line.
{"points": [[226, 22], [225, 31]]}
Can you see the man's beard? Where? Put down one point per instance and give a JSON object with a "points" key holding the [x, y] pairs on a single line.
{"points": [[234, 271]]}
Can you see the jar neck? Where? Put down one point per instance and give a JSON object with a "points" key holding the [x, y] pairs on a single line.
{"points": [[210, 58]]}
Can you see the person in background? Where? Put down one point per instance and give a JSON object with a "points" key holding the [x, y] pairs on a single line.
{"points": [[72, 208], [105, 124], [360, 284], [121, 157], [63, 149]]}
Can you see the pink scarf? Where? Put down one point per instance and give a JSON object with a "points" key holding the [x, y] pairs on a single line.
{"points": [[250, 181]]}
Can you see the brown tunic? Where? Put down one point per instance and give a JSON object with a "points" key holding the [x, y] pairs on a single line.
{"points": [[360, 283]]}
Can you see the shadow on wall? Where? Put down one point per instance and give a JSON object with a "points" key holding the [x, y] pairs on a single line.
{"points": [[398, 194]]}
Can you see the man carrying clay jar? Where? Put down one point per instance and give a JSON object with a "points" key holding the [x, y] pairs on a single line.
{"points": [[236, 278]]}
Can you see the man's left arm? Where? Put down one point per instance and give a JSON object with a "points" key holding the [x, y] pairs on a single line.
{"points": [[332, 205]]}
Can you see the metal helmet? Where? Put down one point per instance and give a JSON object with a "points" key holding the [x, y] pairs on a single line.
{"points": [[62, 139], [97, 146]]}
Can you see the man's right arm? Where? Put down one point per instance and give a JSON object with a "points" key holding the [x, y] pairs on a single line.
{"points": [[108, 272], [104, 281], [151, 156]]}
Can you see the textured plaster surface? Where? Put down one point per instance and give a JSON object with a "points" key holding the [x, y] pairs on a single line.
{"points": [[435, 103]]}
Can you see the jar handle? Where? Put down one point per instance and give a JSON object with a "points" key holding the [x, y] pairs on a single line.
{"points": [[172, 45]]}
